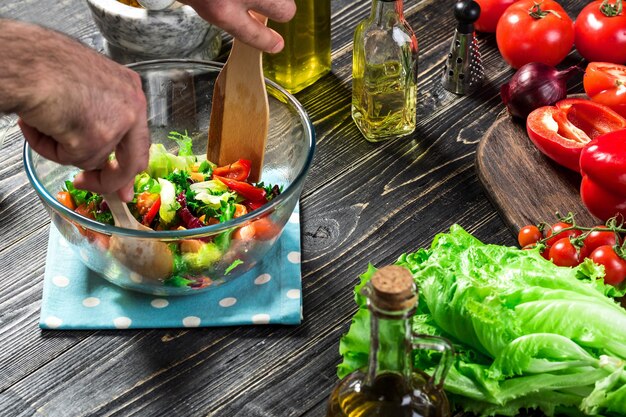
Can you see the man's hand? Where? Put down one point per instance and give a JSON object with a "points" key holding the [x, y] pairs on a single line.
{"points": [[76, 106], [234, 17]]}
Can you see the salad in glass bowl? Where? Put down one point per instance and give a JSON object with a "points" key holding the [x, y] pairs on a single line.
{"points": [[215, 223]]}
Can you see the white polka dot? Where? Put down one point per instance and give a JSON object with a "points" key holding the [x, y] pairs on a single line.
{"points": [[63, 242], [136, 278], [293, 294], [122, 322], [294, 257], [262, 279], [228, 301], [261, 318], [294, 218], [84, 255], [159, 303], [91, 302], [61, 281], [53, 322], [191, 321]]}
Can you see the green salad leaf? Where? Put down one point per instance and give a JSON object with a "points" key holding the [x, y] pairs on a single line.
{"points": [[528, 334]]}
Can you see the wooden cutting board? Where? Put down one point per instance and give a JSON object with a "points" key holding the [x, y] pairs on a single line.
{"points": [[525, 186]]}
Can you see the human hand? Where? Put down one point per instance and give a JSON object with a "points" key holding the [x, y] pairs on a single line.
{"points": [[79, 107], [234, 17]]}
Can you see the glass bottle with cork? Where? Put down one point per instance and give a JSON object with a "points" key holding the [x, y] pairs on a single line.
{"points": [[390, 387], [306, 55], [384, 73]]}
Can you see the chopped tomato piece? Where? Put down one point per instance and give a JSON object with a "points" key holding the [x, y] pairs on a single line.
{"points": [[65, 198]]}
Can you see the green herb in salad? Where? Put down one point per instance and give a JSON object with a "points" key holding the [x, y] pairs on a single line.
{"points": [[528, 334]]}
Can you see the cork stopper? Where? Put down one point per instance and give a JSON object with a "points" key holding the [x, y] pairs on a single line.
{"points": [[393, 288]]}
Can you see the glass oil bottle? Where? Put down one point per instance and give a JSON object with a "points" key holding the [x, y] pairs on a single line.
{"points": [[384, 73], [306, 55], [390, 387]]}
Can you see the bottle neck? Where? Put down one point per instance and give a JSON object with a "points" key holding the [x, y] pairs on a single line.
{"points": [[385, 12], [390, 349]]}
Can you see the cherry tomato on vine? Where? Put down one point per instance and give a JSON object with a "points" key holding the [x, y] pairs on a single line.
{"points": [[614, 265], [532, 31], [528, 235], [600, 32], [554, 233], [490, 12], [564, 253], [597, 238]]}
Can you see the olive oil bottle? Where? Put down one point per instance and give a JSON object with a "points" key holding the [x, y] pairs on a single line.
{"points": [[306, 55], [384, 73], [390, 387]]}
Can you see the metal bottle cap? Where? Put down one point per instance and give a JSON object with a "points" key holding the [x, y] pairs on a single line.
{"points": [[463, 70]]}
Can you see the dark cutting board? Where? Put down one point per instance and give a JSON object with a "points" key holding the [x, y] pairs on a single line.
{"points": [[525, 186]]}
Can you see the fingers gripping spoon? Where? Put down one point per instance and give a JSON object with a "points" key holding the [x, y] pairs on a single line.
{"points": [[150, 258], [240, 110]]}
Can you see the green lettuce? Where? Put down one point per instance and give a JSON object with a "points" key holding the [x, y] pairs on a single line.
{"points": [[528, 334]]}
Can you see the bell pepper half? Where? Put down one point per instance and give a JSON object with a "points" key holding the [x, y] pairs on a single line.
{"points": [[561, 131], [603, 167], [605, 83]]}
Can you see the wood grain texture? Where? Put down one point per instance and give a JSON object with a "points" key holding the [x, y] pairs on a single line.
{"points": [[526, 186], [361, 203]]}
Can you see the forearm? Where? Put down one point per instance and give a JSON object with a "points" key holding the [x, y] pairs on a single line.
{"points": [[28, 53]]}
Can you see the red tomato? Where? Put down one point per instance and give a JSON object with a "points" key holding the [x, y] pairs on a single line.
{"points": [[554, 233], [606, 84], [490, 12], [597, 238], [532, 31], [614, 265], [528, 235], [562, 131], [600, 32], [260, 229], [564, 253]]}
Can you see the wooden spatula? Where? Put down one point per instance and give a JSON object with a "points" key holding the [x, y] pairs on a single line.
{"points": [[240, 110]]}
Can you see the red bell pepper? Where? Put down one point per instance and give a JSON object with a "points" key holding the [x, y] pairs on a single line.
{"points": [[603, 166], [152, 212], [605, 83], [562, 131], [244, 189], [239, 170]]}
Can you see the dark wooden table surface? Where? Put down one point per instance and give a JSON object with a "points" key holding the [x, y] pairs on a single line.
{"points": [[361, 203]]}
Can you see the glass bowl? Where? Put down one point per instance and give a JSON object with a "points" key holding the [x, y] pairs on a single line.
{"points": [[179, 94]]}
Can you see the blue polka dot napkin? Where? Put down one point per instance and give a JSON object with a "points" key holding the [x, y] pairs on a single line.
{"points": [[76, 298]]}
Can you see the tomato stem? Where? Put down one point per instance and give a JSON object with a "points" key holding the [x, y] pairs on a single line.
{"points": [[538, 13], [611, 10]]}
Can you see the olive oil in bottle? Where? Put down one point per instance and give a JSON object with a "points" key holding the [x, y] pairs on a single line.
{"points": [[390, 387], [306, 55], [384, 73]]}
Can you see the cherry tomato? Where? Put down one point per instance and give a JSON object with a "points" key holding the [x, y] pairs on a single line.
{"points": [[605, 83], [614, 265], [600, 32], [528, 235], [564, 253], [595, 239], [545, 253], [554, 233], [490, 12], [532, 31]]}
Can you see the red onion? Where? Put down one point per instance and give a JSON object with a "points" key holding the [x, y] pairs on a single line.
{"points": [[535, 85]]}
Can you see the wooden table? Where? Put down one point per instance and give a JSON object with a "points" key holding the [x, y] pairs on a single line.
{"points": [[361, 203]]}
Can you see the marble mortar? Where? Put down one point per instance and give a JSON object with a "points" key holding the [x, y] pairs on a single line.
{"points": [[134, 34]]}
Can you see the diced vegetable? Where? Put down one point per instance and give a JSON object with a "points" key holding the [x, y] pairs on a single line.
{"points": [[169, 205], [65, 198]]}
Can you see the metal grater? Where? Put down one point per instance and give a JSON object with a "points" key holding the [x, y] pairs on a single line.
{"points": [[463, 71]]}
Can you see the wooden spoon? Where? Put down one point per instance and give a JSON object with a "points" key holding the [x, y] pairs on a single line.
{"points": [[150, 258], [240, 110]]}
